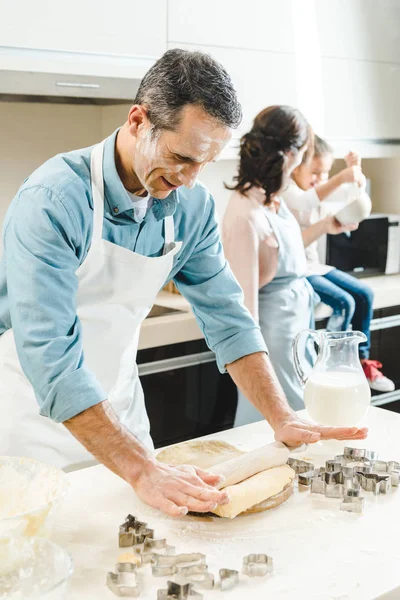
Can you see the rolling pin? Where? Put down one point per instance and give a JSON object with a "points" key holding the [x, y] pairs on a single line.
{"points": [[242, 467]]}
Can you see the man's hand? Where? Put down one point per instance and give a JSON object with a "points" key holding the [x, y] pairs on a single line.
{"points": [[333, 227], [294, 431], [352, 159], [176, 490]]}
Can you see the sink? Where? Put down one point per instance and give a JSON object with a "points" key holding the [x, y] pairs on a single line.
{"points": [[163, 311]]}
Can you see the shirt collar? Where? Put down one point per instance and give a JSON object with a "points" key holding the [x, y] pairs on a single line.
{"points": [[117, 199]]}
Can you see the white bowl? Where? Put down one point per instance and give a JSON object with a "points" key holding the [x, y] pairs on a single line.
{"points": [[33, 568], [30, 494], [356, 211]]}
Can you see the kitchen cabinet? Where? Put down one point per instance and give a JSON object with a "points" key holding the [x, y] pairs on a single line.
{"points": [[260, 78], [361, 99], [253, 25], [186, 396], [361, 29], [122, 27]]}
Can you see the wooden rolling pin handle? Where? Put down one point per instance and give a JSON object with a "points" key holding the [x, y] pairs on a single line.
{"points": [[242, 467]]}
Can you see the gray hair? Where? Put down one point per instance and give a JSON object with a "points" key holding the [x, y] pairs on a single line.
{"points": [[181, 77]]}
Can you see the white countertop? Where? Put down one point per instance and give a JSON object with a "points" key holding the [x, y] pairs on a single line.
{"points": [[319, 552], [172, 329]]}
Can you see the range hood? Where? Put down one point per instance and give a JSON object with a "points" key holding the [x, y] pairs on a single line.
{"points": [[34, 86]]}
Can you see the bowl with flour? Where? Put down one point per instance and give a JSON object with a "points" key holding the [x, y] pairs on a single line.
{"points": [[33, 567], [30, 495]]}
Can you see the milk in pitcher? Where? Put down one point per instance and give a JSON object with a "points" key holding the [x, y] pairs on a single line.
{"points": [[337, 398]]}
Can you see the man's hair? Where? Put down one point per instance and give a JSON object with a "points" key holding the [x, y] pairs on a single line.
{"points": [[321, 147], [181, 77]]}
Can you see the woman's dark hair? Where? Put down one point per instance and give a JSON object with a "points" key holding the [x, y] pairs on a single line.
{"points": [[276, 131]]}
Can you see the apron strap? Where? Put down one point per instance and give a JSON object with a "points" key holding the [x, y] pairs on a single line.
{"points": [[169, 233], [97, 182]]}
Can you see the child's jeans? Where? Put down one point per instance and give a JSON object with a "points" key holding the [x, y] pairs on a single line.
{"points": [[351, 301]]}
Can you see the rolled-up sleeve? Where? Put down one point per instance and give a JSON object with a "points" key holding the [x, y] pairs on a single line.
{"points": [[208, 283], [40, 241]]}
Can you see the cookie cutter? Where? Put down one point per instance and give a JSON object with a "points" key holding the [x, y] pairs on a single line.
{"points": [[333, 465], [331, 484], [359, 454], [257, 565], [124, 582], [178, 591], [152, 548], [163, 564], [353, 501], [299, 466], [377, 483], [306, 478], [133, 532], [198, 576], [228, 579], [392, 467]]}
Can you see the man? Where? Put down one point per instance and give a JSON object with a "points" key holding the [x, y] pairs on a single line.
{"points": [[88, 242]]}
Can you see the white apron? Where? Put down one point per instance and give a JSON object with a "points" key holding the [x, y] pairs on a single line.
{"points": [[116, 289]]}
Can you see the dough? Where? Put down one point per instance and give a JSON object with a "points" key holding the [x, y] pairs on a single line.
{"points": [[201, 453], [254, 490], [251, 495], [242, 467]]}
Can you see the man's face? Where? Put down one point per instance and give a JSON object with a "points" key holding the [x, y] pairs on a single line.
{"points": [[314, 172], [165, 160]]}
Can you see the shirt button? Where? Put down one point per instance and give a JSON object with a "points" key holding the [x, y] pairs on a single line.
{"points": [[116, 209]]}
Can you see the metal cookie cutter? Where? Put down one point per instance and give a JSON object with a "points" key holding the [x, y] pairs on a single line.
{"points": [[228, 579], [198, 576], [257, 565], [153, 548], [359, 454], [392, 467], [123, 583], [299, 466], [353, 501], [133, 532], [331, 484], [307, 477], [377, 483], [333, 465], [334, 484], [178, 591], [170, 565]]}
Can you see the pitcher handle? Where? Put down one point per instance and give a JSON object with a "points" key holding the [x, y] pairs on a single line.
{"points": [[295, 351]]}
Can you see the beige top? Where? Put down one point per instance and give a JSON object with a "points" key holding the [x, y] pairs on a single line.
{"points": [[250, 244]]}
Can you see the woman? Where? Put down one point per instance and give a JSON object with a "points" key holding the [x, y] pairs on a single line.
{"points": [[265, 246]]}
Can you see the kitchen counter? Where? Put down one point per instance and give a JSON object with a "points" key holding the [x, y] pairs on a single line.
{"points": [[319, 552], [176, 328]]}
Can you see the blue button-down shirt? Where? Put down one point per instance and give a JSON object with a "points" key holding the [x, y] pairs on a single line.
{"points": [[47, 234]]}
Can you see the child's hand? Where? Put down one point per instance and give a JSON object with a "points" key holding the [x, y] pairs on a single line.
{"points": [[352, 175], [352, 159], [333, 227]]}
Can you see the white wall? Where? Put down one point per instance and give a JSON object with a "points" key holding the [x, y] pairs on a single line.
{"points": [[214, 176]]}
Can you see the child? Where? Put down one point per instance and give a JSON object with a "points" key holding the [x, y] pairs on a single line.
{"points": [[350, 298]]}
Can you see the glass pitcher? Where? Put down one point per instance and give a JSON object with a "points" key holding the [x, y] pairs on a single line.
{"points": [[336, 392]]}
